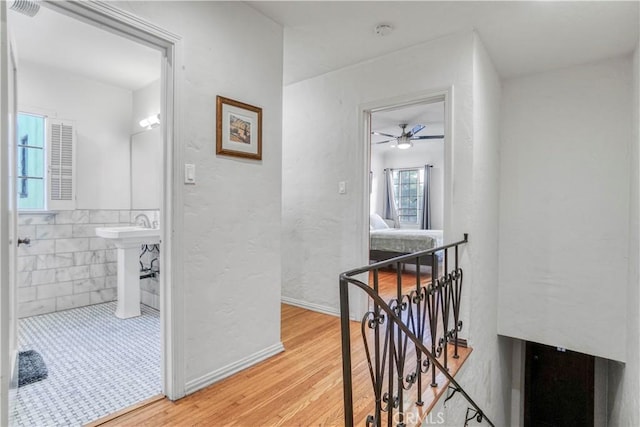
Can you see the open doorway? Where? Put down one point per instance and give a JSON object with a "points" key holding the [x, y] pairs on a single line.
{"points": [[407, 190], [90, 156]]}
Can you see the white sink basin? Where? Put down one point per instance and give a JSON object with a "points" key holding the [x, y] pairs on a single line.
{"points": [[129, 235]]}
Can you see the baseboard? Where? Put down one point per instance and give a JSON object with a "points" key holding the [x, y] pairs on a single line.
{"points": [[311, 306], [226, 371]]}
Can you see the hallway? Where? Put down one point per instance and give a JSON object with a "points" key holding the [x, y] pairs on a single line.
{"points": [[300, 386]]}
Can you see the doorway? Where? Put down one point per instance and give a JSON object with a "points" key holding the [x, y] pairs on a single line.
{"points": [[105, 16], [559, 387], [407, 183]]}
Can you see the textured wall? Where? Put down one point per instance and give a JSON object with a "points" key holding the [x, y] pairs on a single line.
{"points": [[487, 374], [321, 228], [231, 220], [564, 207], [624, 379]]}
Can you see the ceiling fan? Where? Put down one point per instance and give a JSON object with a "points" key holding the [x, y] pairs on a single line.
{"points": [[406, 138]]}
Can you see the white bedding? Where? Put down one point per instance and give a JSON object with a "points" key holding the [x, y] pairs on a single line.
{"points": [[405, 240]]}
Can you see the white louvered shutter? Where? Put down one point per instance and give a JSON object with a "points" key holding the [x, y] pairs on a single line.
{"points": [[62, 155]]}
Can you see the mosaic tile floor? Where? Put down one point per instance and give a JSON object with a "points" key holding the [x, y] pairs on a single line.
{"points": [[98, 364]]}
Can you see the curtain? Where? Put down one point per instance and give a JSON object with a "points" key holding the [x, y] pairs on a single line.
{"points": [[425, 222], [389, 210]]}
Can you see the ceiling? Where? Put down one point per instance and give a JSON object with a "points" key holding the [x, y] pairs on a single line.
{"points": [[521, 37], [56, 40], [431, 115]]}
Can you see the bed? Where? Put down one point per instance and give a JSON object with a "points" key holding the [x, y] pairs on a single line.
{"points": [[386, 243]]}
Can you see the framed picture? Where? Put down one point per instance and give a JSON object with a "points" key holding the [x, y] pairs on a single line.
{"points": [[238, 129]]}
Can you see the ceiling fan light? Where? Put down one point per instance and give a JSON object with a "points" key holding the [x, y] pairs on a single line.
{"points": [[404, 143]]}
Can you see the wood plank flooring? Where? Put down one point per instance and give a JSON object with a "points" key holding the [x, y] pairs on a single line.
{"points": [[387, 282], [301, 386]]}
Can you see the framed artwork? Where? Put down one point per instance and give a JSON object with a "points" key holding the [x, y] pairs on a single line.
{"points": [[238, 129]]}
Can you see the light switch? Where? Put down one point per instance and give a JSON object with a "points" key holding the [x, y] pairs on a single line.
{"points": [[342, 187], [189, 173]]}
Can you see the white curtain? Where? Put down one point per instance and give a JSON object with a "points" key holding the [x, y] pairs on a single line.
{"points": [[389, 210]]}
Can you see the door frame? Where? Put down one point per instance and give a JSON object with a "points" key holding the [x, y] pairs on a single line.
{"points": [[8, 227], [126, 24], [360, 304]]}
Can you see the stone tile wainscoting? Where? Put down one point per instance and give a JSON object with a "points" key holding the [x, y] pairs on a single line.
{"points": [[66, 265]]}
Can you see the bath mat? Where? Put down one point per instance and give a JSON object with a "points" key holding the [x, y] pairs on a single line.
{"points": [[31, 367]]}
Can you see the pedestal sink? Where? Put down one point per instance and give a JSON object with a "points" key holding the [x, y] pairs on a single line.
{"points": [[128, 240]]}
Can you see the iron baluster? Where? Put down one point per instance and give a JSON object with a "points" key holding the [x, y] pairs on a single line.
{"points": [[346, 352], [404, 321], [420, 332], [446, 309], [400, 350], [432, 304], [376, 310]]}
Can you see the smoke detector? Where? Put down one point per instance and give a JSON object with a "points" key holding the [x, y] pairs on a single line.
{"points": [[383, 29]]}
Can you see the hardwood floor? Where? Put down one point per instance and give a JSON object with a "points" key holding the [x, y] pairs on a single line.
{"points": [[301, 386], [387, 280]]}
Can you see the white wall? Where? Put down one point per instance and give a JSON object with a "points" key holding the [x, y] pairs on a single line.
{"points": [[146, 150], [102, 115], [424, 152], [488, 375], [321, 228], [624, 379], [564, 207], [231, 217]]}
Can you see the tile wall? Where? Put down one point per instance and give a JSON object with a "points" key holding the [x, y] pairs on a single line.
{"points": [[67, 265]]}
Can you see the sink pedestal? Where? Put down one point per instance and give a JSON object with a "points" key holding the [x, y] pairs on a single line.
{"points": [[128, 241], [128, 281]]}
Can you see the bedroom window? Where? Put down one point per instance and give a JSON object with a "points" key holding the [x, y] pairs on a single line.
{"points": [[408, 187]]}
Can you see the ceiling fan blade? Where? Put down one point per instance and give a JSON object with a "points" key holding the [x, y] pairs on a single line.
{"points": [[383, 134], [416, 129], [428, 137], [384, 142]]}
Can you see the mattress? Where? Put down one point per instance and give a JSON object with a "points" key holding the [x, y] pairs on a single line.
{"points": [[404, 240]]}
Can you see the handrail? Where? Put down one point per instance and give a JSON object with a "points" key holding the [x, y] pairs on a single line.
{"points": [[346, 279], [401, 258]]}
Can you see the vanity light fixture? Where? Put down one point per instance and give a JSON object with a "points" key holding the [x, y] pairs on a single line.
{"points": [[150, 122]]}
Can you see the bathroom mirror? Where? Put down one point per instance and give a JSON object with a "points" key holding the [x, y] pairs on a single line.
{"points": [[146, 169]]}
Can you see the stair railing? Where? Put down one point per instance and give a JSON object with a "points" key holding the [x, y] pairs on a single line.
{"points": [[403, 329]]}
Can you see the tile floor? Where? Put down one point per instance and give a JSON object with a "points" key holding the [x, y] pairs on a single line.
{"points": [[97, 363]]}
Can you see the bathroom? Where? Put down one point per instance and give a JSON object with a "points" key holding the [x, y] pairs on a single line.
{"points": [[103, 92]]}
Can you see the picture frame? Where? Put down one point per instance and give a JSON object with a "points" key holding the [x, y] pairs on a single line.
{"points": [[238, 129]]}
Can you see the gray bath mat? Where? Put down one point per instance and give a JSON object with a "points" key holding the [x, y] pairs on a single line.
{"points": [[31, 367]]}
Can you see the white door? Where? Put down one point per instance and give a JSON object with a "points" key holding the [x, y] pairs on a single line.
{"points": [[8, 222]]}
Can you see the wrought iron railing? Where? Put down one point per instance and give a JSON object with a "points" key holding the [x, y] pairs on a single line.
{"points": [[408, 339]]}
